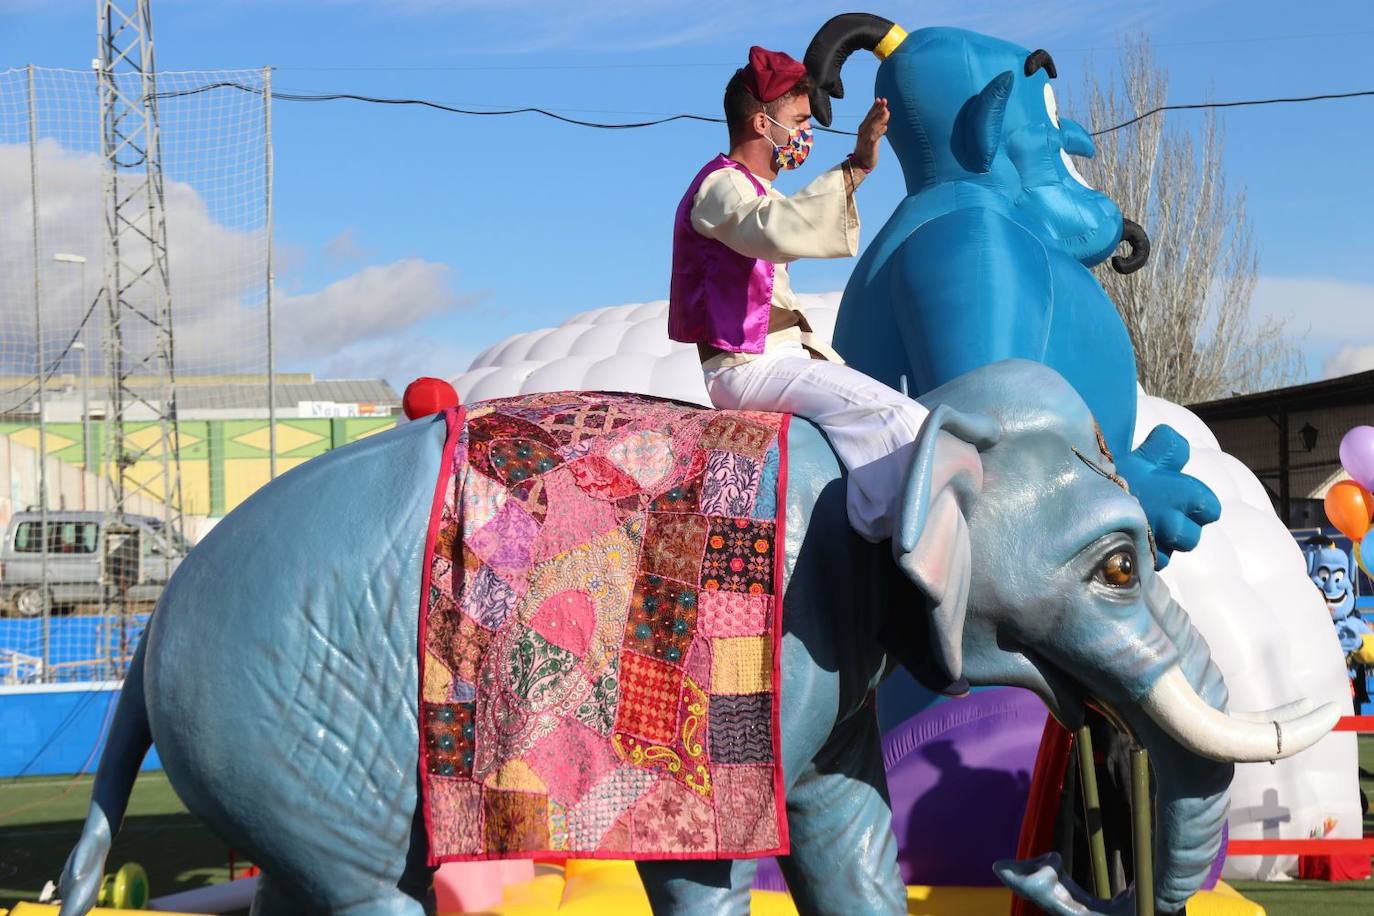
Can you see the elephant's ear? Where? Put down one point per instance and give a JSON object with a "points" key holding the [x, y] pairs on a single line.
{"points": [[932, 542]]}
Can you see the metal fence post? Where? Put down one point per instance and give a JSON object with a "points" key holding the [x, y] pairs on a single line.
{"points": [[1092, 813], [271, 352], [1141, 839], [45, 535]]}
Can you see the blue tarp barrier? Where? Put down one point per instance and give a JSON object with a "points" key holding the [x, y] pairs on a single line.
{"points": [[56, 730]]}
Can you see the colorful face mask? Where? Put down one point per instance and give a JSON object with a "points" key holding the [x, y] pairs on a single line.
{"points": [[794, 152]]}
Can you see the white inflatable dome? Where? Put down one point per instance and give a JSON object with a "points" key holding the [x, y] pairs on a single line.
{"points": [[1245, 586], [619, 348]]}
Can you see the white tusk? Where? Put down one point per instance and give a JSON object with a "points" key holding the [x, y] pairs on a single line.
{"points": [[1285, 711], [1176, 707]]}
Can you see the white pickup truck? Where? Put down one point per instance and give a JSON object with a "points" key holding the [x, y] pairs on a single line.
{"points": [[78, 549]]}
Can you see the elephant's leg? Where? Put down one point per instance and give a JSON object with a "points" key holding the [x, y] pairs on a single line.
{"points": [[844, 856], [337, 889], [699, 888], [272, 900]]}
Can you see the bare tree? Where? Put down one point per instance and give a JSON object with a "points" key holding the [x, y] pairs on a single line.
{"points": [[1188, 309]]}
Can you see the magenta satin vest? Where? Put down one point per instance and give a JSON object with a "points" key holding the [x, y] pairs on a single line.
{"points": [[717, 295]]}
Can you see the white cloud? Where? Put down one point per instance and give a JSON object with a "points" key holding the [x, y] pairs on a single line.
{"points": [[1349, 360], [374, 303], [345, 247], [216, 262], [217, 267], [401, 358], [1334, 317], [1311, 302]]}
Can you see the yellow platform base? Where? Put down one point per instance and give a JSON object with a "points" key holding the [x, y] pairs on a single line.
{"points": [[595, 888], [598, 887], [43, 909]]}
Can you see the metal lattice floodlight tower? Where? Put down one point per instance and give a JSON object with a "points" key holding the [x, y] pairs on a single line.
{"points": [[140, 444]]}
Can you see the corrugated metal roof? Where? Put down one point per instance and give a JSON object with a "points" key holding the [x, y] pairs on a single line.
{"points": [[343, 391], [1346, 389]]}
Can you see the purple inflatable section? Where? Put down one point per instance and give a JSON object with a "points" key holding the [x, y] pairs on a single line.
{"points": [[959, 773]]}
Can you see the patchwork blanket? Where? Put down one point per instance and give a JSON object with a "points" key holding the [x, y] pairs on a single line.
{"points": [[599, 632]]}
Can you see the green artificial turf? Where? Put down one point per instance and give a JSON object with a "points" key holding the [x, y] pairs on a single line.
{"points": [[1299, 898], [41, 817], [1310, 898]]}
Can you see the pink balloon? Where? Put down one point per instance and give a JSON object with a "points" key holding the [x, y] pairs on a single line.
{"points": [[1357, 455]]}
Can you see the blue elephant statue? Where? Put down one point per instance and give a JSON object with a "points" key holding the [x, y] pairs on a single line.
{"points": [[987, 257], [279, 673]]}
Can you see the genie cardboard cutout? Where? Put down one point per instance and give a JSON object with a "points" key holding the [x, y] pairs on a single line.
{"points": [[987, 257], [1330, 569]]}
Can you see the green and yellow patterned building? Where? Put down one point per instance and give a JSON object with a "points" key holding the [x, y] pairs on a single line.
{"points": [[224, 458]]}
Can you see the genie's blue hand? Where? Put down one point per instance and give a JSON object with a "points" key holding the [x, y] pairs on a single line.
{"points": [[1176, 505], [1350, 632]]}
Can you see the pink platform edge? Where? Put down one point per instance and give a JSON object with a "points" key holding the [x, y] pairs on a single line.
{"points": [[464, 887]]}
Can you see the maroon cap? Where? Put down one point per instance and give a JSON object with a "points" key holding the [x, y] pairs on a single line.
{"points": [[771, 74]]}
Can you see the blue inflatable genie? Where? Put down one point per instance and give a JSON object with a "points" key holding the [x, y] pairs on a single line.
{"points": [[1329, 567], [987, 257]]}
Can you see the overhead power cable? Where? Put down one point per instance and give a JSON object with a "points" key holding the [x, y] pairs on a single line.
{"points": [[453, 109], [628, 125], [1241, 104]]}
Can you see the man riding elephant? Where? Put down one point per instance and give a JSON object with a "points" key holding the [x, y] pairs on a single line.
{"points": [[733, 238]]}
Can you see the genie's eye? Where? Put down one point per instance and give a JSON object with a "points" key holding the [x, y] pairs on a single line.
{"points": [[1051, 104], [1338, 575], [1118, 570], [1323, 575]]}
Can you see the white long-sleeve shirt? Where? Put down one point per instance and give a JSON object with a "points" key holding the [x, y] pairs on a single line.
{"points": [[819, 221]]}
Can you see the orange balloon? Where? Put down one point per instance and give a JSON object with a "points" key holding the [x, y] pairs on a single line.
{"points": [[1350, 507]]}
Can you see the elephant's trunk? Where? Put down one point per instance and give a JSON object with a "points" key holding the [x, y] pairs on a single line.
{"points": [[1192, 743], [1191, 801], [1191, 787], [1191, 790]]}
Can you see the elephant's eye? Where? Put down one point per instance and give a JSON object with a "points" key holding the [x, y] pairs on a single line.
{"points": [[1118, 570]]}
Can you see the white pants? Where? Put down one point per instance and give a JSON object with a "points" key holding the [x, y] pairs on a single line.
{"points": [[872, 428]]}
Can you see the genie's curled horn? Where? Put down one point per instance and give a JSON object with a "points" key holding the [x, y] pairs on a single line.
{"points": [[1134, 235], [1040, 59]]}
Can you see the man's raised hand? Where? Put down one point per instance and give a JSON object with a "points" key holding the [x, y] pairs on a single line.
{"points": [[871, 134]]}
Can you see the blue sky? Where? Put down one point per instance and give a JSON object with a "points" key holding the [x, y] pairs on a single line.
{"points": [[484, 227]]}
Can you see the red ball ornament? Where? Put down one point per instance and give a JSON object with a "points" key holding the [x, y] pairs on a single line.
{"points": [[426, 396]]}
